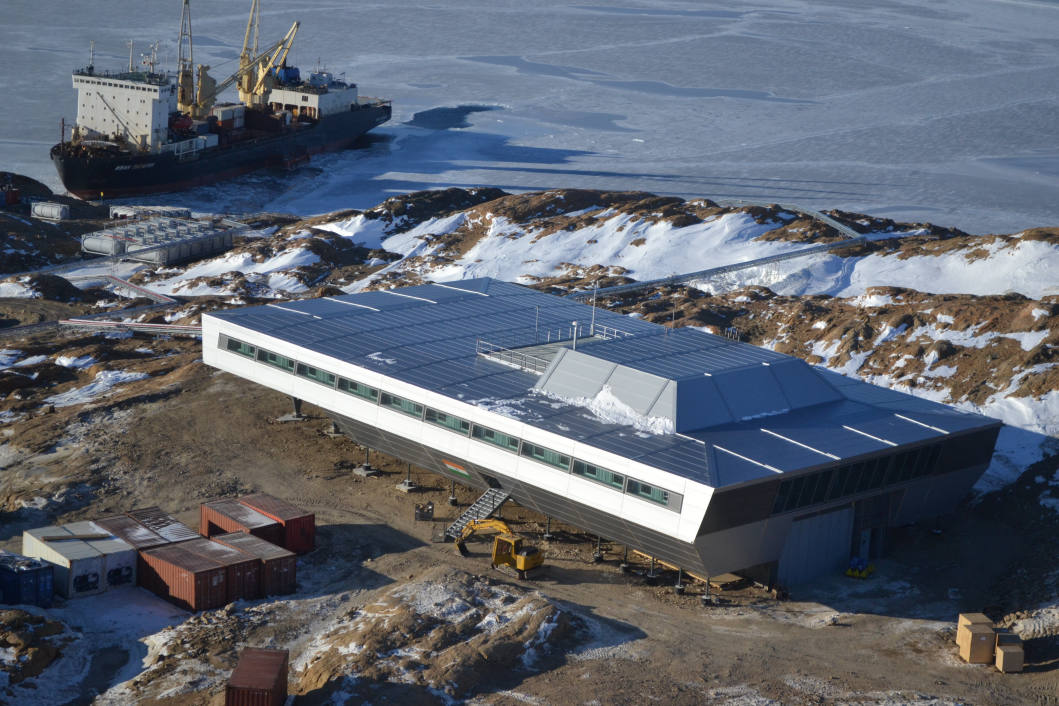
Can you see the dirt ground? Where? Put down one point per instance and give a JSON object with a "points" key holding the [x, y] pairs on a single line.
{"points": [[201, 434]]}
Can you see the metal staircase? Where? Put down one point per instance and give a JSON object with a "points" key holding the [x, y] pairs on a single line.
{"points": [[482, 509]]}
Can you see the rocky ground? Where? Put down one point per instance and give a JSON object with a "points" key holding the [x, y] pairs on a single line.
{"points": [[93, 425]]}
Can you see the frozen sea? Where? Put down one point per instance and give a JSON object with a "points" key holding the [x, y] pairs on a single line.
{"points": [[943, 111]]}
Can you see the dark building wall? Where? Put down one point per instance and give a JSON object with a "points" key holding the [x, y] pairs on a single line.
{"points": [[739, 529], [611, 527]]}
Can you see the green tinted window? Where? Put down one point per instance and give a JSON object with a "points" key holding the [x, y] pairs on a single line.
{"points": [[402, 405], [547, 456], [355, 388], [600, 475], [508, 443], [315, 374], [647, 492], [241, 348], [448, 421], [276, 361]]}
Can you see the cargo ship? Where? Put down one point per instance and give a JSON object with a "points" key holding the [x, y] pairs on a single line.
{"points": [[142, 130]]}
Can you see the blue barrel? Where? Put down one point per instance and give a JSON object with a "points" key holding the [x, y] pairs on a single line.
{"points": [[25, 581]]}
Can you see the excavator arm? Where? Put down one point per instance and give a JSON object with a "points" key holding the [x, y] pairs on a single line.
{"points": [[476, 525]]}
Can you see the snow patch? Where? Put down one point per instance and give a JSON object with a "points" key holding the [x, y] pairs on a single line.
{"points": [[607, 408], [85, 361], [103, 385]]}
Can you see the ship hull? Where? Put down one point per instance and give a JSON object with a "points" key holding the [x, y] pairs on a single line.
{"points": [[121, 176]]}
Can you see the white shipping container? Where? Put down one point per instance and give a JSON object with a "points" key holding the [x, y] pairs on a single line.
{"points": [[78, 567], [119, 556]]}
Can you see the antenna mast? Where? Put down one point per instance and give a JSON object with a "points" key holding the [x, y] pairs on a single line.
{"points": [[129, 45], [91, 56]]}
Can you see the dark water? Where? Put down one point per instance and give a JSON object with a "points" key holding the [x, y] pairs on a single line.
{"points": [[446, 118]]}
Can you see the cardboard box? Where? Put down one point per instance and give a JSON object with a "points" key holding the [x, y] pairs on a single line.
{"points": [[979, 646], [967, 620], [1009, 658]]}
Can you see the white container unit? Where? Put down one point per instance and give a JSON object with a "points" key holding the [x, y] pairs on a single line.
{"points": [[78, 568], [119, 556]]}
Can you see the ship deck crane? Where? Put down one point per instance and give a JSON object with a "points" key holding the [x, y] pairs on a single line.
{"points": [[265, 61]]}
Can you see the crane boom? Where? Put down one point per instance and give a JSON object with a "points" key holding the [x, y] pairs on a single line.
{"points": [[283, 46], [254, 63]]}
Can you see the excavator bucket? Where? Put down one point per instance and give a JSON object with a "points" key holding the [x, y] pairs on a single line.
{"points": [[462, 548]]}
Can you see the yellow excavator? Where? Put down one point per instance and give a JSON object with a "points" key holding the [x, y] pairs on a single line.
{"points": [[511, 555]]}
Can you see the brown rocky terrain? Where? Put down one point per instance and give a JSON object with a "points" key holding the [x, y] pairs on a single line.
{"points": [[636, 640], [28, 243], [360, 628], [31, 642]]}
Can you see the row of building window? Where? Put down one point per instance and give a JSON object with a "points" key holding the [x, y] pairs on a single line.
{"points": [[856, 478], [512, 444], [117, 85]]}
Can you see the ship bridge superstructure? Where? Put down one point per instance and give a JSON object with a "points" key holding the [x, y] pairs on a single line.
{"points": [[128, 106]]}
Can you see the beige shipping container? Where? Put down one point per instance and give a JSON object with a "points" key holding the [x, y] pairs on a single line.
{"points": [[119, 557], [979, 645], [78, 567], [965, 622], [1009, 658]]}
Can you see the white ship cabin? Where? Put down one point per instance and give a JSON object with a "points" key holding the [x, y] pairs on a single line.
{"points": [[132, 105], [321, 95]]}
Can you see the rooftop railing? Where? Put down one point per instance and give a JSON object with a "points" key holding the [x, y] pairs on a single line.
{"points": [[532, 363]]}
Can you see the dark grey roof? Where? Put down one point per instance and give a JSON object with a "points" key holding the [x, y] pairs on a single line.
{"points": [[740, 412]]}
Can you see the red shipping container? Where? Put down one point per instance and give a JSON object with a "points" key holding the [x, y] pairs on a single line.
{"points": [[279, 567], [299, 526], [260, 679], [161, 522], [244, 571], [227, 516], [12, 197], [186, 580]]}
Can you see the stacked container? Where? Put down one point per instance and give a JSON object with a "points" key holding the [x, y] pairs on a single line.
{"points": [[260, 679], [279, 567], [185, 579], [25, 581], [163, 524], [78, 568], [226, 516], [243, 571], [299, 526]]}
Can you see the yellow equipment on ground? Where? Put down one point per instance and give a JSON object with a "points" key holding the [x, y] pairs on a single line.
{"points": [[510, 553]]}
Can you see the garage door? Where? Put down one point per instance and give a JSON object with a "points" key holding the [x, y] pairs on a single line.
{"points": [[816, 546]]}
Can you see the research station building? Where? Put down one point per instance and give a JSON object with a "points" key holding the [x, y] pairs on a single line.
{"points": [[711, 455]]}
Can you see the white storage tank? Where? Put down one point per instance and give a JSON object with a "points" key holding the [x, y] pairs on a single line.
{"points": [[50, 211], [100, 244], [78, 568], [119, 557]]}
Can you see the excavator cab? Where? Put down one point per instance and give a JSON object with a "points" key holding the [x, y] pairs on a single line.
{"points": [[511, 554]]}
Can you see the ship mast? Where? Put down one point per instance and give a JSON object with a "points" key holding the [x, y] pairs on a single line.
{"points": [[185, 62]]}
